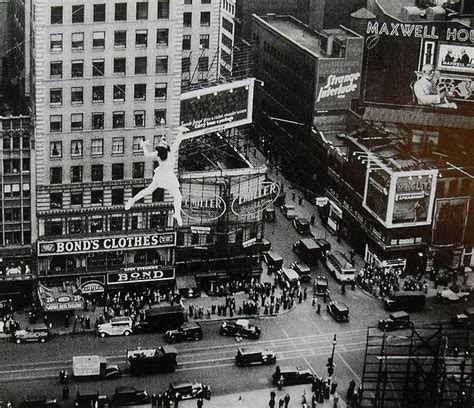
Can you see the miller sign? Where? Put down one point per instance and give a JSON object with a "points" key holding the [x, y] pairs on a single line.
{"points": [[197, 207], [255, 200]]}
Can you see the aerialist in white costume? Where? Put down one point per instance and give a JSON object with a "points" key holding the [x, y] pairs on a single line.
{"points": [[164, 176]]}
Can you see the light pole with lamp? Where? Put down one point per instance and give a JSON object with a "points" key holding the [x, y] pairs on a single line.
{"points": [[330, 365]]}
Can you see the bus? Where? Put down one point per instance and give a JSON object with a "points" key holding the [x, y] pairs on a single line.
{"points": [[340, 266]]}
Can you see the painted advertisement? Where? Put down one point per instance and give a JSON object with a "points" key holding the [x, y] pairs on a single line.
{"points": [[217, 108], [256, 199], [449, 221], [377, 189], [140, 274]]}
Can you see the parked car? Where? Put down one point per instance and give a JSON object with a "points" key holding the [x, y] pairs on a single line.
{"points": [[303, 270], [321, 285], [409, 301], [266, 244], [292, 376], [34, 332], [302, 225], [307, 250], [129, 395], [117, 326], [455, 294], [323, 244], [288, 210], [187, 331], [240, 328], [254, 355], [339, 311], [288, 278], [39, 402], [273, 260], [187, 390], [465, 319], [269, 214], [396, 320]]}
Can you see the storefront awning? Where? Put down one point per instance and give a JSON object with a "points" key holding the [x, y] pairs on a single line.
{"points": [[186, 282], [59, 298]]}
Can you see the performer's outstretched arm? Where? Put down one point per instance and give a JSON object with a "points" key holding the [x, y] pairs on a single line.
{"points": [[146, 152], [179, 138]]}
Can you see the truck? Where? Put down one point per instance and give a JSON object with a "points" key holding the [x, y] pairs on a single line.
{"points": [[152, 360], [93, 367], [161, 319], [408, 301]]}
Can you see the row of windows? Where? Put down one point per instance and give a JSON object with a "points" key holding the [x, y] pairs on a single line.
{"points": [[203, 41], [98, 121], [14, 238], [14, 214], [14, 166], [98, 95], [99, 12], [98, 68], [97, 147], [227, 5], [205, 20], [15, 142], [98, 40], [14, 190]]}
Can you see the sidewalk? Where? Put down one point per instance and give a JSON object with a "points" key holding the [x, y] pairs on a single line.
{"points": [[260, 399]]}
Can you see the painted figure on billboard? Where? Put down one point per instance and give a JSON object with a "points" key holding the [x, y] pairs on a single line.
{"points": [[164, 176], [426, 90]]}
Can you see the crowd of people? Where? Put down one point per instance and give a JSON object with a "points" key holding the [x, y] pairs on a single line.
{"points": [[378, 281]]}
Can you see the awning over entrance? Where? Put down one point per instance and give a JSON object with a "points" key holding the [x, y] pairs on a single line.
{"points": [[58, 298]]}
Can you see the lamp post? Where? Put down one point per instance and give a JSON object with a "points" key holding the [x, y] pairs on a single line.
{"points": [[330, 365]]}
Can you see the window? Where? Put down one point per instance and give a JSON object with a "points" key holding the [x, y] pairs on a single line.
{"points": [[141, 38], [226, 41], [56, 123], [11, 166], [204, 41], [76, 198], [119, 93], [163, 9], [140, 65], [117, 171], [188, 1], [56, 69], [97, 225], [205, 1], [203, 64], [186, 42], [138, 170], [57, 15], [162, 37], [97, 121], [55, 150], [160, 117], [161, 91], [142, 11], [77, 41], [120, 39], [157, 221], [56, 200], [98, 67], [77, 95], [205, 18], [97, 147], [139, 118], [76, 148], [76, 174], [118, 120], [56, 175], [136, 146], [120, 11], [97, 172], [98, 93], [187, 19], [97, 197], [77, 69], [99, 12], [78, 13], [56, 96], [120, 66], [56, 42], [161, 66], [139, 92], [116, 223], [117, 145], [98, 39], [186, 64], [227, 25], [76, 121], [157, 196]]}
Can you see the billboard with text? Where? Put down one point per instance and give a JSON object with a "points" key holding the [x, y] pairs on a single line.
{"points": [[449, 221]]}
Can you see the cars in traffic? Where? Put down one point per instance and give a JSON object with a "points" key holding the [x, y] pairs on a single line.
{"points": [[240, 328], [288, 278], [188, 390], [396, 321], [39, 402], [292, 376], [288, 210], [93, 367], [161, 318], [323, 244], [339, 311], [302, 225], [340, 266], [186, 332], [465, 319], [302, 270], [409, 301], [321, 286], [254, 355], [273, 260], [269, 214], [129, 396], [307, 250], [117, 326], [455, 294], [152, 360], [35, 332]]}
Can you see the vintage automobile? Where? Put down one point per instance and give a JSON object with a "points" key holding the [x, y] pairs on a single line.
{"points": [[302, 269], [339, 311], [288, 210], [187, 390], [240, 328], [187, 331], [465, 319], [396, 320], [129, 395], [302, 225], [292, 376], [254, 355], [455, 294], [321, 286], [34, 332], [117, 326], [273, 260]]}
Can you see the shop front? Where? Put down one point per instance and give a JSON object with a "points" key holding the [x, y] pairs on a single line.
{"points": [[60, 298]]}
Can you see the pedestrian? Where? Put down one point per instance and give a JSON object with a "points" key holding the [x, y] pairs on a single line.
{"points": [[312, 219], [293, 196], [303, 398], [305, 294], [300, 200], [272, 395], [200, 403], [271, 403], [318, 311], [287, 400], [281, 402], [65, 393], [313, 302], [335, 402]]}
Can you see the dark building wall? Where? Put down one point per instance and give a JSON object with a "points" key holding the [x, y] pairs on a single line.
{"points": [[4, 36], [332, 13]]}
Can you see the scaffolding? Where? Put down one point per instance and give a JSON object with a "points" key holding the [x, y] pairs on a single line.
{"points": [[427, 366]]}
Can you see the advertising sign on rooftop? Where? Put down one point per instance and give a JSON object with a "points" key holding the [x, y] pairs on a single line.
{"points": [[449, 222]]}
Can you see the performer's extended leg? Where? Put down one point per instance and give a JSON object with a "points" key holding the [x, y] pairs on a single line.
{"points": [[177, 199], [146, 191]]}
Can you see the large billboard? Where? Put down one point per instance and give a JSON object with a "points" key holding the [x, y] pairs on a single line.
{"points": [[217, 108], [378, 186], [449, 222]]}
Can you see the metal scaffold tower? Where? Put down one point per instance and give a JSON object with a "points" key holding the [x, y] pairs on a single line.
{"points": [[427, 366]]}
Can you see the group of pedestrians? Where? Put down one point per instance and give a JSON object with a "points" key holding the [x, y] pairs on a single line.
{"points": [[378, 281], [283, 401], [415, 283]]}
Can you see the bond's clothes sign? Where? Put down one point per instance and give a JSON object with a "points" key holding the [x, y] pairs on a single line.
{"points": [[140, 274], [105, 244], [449, 222]]}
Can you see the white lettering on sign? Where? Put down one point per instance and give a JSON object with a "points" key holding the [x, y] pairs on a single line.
{"points": [[262, 190], [404, 30], [339, 86]]}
